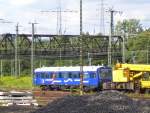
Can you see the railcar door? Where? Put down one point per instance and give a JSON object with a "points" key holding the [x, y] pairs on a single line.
{"points": [[86, 78], [76, 78], [105, 74], [37, 78], [47, 77], [58, 79]]}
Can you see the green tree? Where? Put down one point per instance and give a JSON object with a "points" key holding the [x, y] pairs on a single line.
{"points": [[130, 26], [139, 48]]}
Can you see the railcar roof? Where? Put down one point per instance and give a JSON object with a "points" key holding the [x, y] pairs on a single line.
{"points": [[76, 68]]}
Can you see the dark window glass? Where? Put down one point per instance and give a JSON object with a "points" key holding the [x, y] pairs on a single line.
{"points": [[69, 75], [46, 75], [64, 74], [93, 75], [52, 75], [75, 74], [38, 75], [105, 73], [146, 76], [42, 75], [59, 75], [86, 75]]}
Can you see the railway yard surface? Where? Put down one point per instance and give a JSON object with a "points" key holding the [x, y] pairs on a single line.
{"points": [[66, 102]]}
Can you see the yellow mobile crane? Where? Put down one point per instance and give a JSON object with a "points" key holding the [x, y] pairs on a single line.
{"points": [[131, 77]]}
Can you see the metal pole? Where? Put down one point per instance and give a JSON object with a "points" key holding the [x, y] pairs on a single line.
{"points": [[112, 21], [60, 19], [1, 68], [102, 27], [32, 47], [110, 35], [70, 62], [16, 69], [19, 68], [147, 55], [89, 59], [81, 52], [11, 67], [60, 57], [123, 49], [40, 63], [110, 39]]}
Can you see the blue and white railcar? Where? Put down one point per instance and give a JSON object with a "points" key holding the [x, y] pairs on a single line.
{"points": [[66, 77]]}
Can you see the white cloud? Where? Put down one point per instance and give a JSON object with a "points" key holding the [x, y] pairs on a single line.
{"points": [[21, 2]]}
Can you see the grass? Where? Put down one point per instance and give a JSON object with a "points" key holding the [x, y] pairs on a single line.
{"points": [[9, 83]]}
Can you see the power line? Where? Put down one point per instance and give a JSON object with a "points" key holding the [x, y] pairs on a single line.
{"points": [[102, 26], [59, 12]]}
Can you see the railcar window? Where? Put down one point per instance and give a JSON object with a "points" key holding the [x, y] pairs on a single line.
{"points": [[59, 75], [86, 75], [44, 75], [65, 74], [146, 76], [38, 75], [75, 75], [105, 73], [51, 75], [93, 75], [69, 75]]}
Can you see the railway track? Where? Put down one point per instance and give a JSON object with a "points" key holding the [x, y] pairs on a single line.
{"points": [[45, 97]]}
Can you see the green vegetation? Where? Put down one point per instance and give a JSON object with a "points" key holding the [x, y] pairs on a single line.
{"points": [[137, 41], [9, 83], [131, 26]]}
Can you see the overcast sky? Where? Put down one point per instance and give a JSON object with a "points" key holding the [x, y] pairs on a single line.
{"points": [[25, 11]]}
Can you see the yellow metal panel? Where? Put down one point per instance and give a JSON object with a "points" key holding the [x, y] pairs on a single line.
{"points": [[118, 76], [145, 84]]}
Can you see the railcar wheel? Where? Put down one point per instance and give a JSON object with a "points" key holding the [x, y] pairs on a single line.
{"points": [[62, 88], [147, 91], [50, 88], [137, 87], [86, 89], [43, 88]]}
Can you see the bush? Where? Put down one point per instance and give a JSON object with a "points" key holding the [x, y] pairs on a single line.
{"points": [[16, 83]]}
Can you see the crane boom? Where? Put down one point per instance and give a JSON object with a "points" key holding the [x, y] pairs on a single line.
{"points": [[137, 67]]}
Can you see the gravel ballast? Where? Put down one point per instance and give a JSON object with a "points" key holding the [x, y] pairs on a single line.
{"points": [[103, 102]]}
